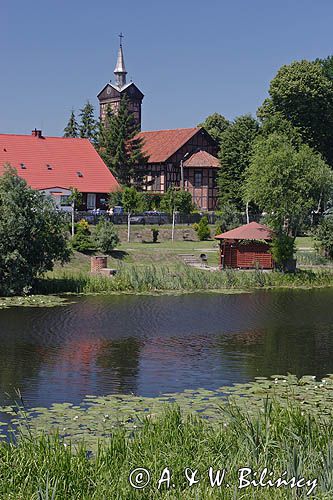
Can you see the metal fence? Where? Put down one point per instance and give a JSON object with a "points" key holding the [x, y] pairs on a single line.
{"points": [[93, 218]]}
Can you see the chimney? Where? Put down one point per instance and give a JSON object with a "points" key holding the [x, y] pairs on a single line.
{"points": [[37, 133]]}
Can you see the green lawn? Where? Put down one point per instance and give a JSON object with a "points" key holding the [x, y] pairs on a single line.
{"points": [[162, 253], [166, 252], [305, 242]]}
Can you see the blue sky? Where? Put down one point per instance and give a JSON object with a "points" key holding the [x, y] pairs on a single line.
{"points": [[189, 58]]}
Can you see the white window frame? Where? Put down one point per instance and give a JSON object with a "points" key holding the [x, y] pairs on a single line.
{"points": [[91, 201]]}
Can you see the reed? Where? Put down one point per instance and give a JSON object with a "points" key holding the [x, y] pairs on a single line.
{"points": [[152, 278], [279, 438]]}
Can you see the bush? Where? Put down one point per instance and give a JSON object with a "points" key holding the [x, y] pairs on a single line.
{"points": [[155, 233], [202, 229], [82, 227], [82, 241], [106, 236], [283, 250]]}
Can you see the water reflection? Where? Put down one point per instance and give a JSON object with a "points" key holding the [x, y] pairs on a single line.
{"points": [[150, 345]]}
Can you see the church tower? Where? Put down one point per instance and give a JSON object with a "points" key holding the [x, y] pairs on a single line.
{"points": [[112, 93]]}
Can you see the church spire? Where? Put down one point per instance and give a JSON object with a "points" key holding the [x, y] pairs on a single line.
{"points": [[120, 70]]}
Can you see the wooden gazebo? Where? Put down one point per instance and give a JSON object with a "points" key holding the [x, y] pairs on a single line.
{"points": [[246, 247]]}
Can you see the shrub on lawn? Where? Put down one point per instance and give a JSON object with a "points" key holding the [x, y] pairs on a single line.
{"points": [[202, 229], [82, 241], [106, 236], [155, 233]]}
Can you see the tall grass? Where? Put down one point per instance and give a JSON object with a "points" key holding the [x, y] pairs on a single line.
{"points": [[281, 439], [312, 258], [152, 278]]}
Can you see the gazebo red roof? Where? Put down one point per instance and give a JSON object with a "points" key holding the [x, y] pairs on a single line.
{"points": [[49, 162], [251, 231], [202, 159]]}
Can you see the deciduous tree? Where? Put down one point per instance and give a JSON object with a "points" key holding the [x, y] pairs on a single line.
{"points": [[176, 200], [215, 125], [286, 182], [303, 93], [235, 155], [130, 200], [32, 235]]}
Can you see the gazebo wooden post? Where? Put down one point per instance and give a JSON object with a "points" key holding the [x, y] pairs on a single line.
{"points": [[224, 250]]}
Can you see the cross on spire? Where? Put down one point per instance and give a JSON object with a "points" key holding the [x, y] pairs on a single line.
{"points": [[120, 70], [121, 36]]}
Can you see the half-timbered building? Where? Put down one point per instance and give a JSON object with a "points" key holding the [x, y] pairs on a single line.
{"points": [[182, 158]]}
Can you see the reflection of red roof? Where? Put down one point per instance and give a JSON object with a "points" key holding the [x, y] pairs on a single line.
{"points": [[252, 231], [202, 159], [50, 162], [159, 145]]}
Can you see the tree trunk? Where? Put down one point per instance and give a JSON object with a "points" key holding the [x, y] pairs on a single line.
{"points": [[173, 225], [128, 226], [73, 219]]}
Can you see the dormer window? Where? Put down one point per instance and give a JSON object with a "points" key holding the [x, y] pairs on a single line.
{"points": [[79, 174], [49, 167], [22, 165]]}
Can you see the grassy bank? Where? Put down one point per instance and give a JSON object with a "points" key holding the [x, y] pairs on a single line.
{"points": [[278, 431], [179, 277]]}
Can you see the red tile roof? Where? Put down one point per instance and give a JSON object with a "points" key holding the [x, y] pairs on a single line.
{"points": [[66, 158], [252, 231], [202, 159], [159, 145]]}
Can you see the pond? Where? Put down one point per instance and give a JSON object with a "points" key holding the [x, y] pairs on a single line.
{"points": [[148, 345]]}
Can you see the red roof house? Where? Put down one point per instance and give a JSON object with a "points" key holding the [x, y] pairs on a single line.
{"points": [[183, 157], [54, 164], [246, 247]]}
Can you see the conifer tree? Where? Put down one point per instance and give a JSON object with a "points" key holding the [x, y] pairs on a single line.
{"points": [[72, 128], [120, 147], [88, 124]]}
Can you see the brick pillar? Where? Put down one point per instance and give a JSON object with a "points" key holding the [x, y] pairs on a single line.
{"points": [[97, 263]]}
